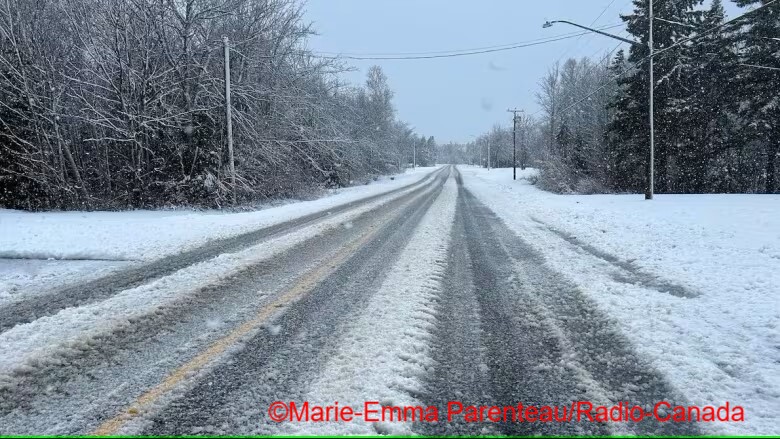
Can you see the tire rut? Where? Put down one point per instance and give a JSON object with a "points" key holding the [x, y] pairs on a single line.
{"points": [[541, 340], [627, 271]]}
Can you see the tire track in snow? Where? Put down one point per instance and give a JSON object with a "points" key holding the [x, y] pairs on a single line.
{"points": [[625, 271], [460, 371], [504, 352], [544, 342], [25, 346], [385, 353]]}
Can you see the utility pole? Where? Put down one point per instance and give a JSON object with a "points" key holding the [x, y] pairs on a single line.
{"points": [[514, 143], [651, 164], [414, 153], [229, 118]]}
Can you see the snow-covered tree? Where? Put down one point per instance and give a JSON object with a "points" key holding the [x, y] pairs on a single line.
{"points": [[629, 130], [758, 102]]}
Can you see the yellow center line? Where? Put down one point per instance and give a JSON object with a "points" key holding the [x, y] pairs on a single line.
{"points": [[304, 285]]}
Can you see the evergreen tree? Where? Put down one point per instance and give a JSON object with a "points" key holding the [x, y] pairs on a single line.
{"points": [[621, 164], [759, 83], [708, 68], [629, 130]]}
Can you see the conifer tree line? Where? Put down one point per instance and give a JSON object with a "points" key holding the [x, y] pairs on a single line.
{"points": [[717, 107], [120, 103]]}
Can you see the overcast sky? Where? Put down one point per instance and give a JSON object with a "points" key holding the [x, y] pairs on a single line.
{"points": [[455, 98]]}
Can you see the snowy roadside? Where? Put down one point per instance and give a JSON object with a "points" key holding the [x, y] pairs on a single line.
{"points": [[692, 280], [719, 343], [393, 333], [43, 248]]}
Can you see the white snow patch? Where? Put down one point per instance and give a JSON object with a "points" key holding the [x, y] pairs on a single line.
{"points": [[19, 278]]}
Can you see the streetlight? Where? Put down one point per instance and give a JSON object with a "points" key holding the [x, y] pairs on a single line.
{"points": [[651, 164], [625, 40]]}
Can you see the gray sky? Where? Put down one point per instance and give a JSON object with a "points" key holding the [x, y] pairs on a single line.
{"points": [[454, 98]]}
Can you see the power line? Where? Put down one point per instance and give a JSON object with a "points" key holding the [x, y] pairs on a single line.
{"points": [[441, 52], [457, 53], [624, 33], [438, 52]]}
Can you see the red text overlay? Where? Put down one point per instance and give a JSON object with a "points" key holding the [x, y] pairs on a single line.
{"points": [[456, 411]]}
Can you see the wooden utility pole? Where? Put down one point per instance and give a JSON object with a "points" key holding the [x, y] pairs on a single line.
{"points": [[514, 143], [229, 118], [414, 153]]}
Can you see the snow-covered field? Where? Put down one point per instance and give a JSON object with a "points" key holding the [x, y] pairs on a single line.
{"points": [[693, 280], [39, 249]]}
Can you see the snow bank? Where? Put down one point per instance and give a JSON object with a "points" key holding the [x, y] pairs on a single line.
{"points": [[693, 280], [387, 367]]}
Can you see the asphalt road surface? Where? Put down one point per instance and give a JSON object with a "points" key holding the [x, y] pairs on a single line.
{"points": [[425, 295]]}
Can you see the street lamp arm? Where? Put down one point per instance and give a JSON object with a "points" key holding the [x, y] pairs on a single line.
{"points": [[606, 34]]}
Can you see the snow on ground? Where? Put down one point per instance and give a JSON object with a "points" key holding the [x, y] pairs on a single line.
{"points": [[46, 339], [113, 239], [19, 277], [404, 310], [693, 280]]}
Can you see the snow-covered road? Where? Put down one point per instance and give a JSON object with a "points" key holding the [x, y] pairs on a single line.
{"points": [[450, 285]]}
